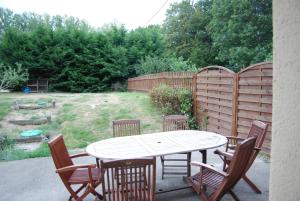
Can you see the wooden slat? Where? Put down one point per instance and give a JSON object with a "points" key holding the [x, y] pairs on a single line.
{"points": [[214, 82], [225, 97], [215, 88], [256, 109], [255, 82], [215, 108], [256, 116], [257, 73], [256, 92], [256, 100]]}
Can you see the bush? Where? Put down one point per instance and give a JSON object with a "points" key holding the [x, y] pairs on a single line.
{"points": [[156, 64], [11, 77], [173, 101]]}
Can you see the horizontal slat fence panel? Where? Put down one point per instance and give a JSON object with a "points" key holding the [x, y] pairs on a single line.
{"points": [[254, 99], [181, 80], [215, 99]]}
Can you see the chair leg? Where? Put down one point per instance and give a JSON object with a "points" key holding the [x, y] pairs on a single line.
{"points": [[73, 193], [204, 156], [189, 156], [251, 184], [235, 197], [203, 196], [162, 167]]}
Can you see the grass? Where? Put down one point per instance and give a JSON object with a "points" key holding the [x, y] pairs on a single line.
{"points": [[5, 107], [11, 153], [83, 118]]}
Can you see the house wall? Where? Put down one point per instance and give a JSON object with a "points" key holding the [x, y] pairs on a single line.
{"points": [[285, 152]]}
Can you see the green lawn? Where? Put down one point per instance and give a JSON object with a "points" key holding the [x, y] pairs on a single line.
{"points": [[81, 118]]}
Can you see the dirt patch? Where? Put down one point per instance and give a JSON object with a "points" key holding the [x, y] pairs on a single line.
{"points": [[28, 146]]}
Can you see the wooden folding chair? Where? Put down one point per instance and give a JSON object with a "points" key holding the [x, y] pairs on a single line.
{"points": [[132, 179], [86, 175], [258, 129], [172, 123], [220, 181], [126, 127]]}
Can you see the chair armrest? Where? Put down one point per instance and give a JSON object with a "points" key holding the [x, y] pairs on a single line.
{"points": [[79, 155], [234, 138], [203, 165], [232, 142], [257, 149], [74, 167], [224, 154]]}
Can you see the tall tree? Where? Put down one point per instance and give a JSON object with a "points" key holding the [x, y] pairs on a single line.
{"points": [[186, 32], [241, 31]]}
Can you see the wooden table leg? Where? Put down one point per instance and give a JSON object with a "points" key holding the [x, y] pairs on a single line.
{"points": [[204, 156]]}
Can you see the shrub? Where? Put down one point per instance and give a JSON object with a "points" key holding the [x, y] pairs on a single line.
{"points": [[11, 77], [173, 101], [157, 64]]}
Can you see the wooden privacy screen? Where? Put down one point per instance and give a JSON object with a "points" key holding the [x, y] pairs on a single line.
{"points": [[227, 103], [224, 102], [254, 99], [145, 83], [215, 99]]}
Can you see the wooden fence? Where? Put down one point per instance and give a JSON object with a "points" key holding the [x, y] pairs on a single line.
{"points": [[224, 102], [183, 80], [254, 99], [215, 99]]}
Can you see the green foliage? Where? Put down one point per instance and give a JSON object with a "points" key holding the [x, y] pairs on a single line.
{"points": [[158, 64], [241, 31], [71, 54], [186, 32], [143, 42], [232, 33], [173, 101], [11, 77], [12, 153], [5, 107]]}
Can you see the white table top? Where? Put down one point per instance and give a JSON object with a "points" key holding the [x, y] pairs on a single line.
{"points": [[155, 144]]}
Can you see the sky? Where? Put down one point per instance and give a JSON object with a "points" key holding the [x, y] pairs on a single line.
{"points": [[131, 13]]}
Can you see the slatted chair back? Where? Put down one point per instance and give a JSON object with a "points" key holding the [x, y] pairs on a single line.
{"points": [[60, 155], [126, 127], [129, 180], [237, 167], [175, 122], [258, 129]]}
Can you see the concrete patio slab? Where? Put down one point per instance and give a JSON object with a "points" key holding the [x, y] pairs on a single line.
{"points": [[36, 180]]}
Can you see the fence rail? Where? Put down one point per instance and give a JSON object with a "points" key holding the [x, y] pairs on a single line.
{"points": [[224, 102]]}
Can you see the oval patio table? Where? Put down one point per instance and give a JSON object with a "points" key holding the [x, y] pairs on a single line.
{"points": [[155, 144]]}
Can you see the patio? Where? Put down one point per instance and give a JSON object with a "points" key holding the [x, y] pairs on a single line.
{"points": [[37, 181]]}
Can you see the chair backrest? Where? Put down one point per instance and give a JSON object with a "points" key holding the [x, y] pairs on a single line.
{"points": [[60, 155], [175, 122], [258, 129], [126, 127], [237, 167], [132, 179]]}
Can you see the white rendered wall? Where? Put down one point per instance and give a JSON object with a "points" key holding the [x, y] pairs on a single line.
{"points": [[285, 148]]}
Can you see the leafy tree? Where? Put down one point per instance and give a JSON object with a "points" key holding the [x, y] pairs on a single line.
{"points": [[143, 42], [11, 77], [241, 31], [157, 64], [186, 32]]}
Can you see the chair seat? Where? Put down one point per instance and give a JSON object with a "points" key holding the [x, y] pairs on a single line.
{"points": [[137, 195], [82, 176], [209, 178]]}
